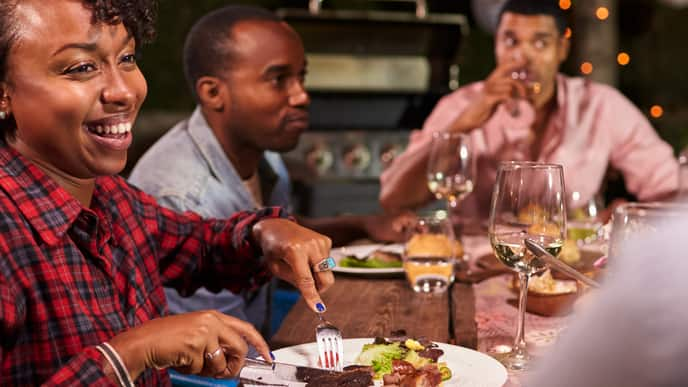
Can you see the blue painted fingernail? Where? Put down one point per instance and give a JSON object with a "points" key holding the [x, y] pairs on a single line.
{"points": [[272, 355], [320, 307]]}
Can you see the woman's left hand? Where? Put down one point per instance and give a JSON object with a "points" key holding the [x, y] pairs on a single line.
{"points": [[292, 252]]}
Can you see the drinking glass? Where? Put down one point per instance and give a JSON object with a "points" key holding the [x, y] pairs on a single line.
{"points": [[527, 202], [430, 253], [638, 220], [582, 221], [683, 175], [450, 167]]}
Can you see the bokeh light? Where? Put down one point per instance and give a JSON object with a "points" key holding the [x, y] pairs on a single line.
{"points": [[564, 4], [656, 111], [623, 58], [568, 33], [586, 68], [602, 13]]}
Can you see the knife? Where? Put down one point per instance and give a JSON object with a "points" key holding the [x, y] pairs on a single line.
{"points": [[288, 372], [543, 254]]}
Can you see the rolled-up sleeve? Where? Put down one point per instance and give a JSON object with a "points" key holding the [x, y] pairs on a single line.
{"points": [[213, 253]]}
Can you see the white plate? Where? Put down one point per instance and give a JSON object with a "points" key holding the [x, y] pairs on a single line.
{"points": [[363, 251], [469, 368]]}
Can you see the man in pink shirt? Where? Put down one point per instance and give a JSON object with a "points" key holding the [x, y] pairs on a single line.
{"points": [[526, 110]]}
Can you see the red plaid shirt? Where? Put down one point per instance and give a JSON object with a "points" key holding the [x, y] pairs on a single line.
{"points": [[74, 277]]}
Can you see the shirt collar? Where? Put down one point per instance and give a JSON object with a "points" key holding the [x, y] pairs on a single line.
{"points": [[561, 96], [220, 166], [554, 132], [210, 148], [48, 207]]}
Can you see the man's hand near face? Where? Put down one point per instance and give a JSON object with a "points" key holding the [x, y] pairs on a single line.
{"points": [[500, 87]]}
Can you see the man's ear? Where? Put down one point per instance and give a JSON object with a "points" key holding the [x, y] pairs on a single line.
{"points": [[564, 48], [212, 92]]}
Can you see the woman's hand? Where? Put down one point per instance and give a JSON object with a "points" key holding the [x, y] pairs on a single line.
{"points": [[291, 252], [207, 343]]}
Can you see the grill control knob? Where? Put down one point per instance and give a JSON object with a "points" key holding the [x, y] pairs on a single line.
{"points": [[356, 158], [319, 158], [387, 154]]}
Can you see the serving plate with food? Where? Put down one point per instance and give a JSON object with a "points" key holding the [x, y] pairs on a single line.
{"points": [[369, 259], [387, 259], [391, 360]]}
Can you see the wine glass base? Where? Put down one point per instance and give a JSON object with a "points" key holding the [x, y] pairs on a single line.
{"points": [[512, 360]]}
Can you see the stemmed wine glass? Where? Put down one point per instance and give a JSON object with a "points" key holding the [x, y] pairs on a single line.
{"points": [[583, 218], [529, 81], [450, 167], [528, 202]]}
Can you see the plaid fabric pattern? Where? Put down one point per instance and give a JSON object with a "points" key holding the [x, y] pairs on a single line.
{"points": [[74, 277]]}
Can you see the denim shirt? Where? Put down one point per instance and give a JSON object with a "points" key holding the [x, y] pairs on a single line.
{"points": [[187, 169]]}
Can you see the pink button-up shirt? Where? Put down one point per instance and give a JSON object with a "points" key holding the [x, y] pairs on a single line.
{"points": [[592, 126]]}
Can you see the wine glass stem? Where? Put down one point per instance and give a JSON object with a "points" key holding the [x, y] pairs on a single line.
{"points": [[519, 348]]}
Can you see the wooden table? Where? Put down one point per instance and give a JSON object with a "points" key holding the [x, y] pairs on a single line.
{"points": [[369, 307], [474, 316]]}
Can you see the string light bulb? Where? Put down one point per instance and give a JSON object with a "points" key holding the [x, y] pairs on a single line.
{"points": [[586, 68], [602, 13], [656, 111], [564, 4], [623, 58]]}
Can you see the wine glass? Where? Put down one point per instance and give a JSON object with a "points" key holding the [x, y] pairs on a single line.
{"points": [[526, 77], [528, 201], [430, 252], [450, 167], [582, 221]]}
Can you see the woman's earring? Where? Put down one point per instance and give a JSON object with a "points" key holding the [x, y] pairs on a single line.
{"points": [[3, 115]]}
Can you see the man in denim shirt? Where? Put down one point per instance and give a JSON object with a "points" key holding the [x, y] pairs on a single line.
{"points": [[246, 70]]}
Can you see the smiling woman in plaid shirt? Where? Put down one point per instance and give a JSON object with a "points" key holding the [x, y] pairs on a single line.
{"points": [[83, 255]]}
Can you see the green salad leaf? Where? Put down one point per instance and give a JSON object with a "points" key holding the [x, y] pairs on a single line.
{"points": [[380, 357], [370, 263]]}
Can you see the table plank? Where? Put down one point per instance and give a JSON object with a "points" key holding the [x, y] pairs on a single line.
{"points": [[464, 324], [367, 308]]}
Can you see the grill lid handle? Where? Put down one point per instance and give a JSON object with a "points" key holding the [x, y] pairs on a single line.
{"points": [[421, 6]]}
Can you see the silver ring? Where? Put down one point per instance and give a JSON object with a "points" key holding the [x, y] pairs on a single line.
{"points": [[211, 355], [325, 265]]}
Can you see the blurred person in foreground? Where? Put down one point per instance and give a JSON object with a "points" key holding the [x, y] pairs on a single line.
{"points": [[526, 110], [245, 68], [84, 254], [632, 332]]}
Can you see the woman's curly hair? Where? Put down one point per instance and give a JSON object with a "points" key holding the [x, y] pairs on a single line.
{"points": [[138, 17]]}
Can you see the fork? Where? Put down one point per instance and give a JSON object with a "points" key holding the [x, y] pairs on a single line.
{"points": [[330, 347]]}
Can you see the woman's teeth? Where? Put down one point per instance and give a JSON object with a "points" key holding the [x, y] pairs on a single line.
{"points": [[111, 129]]}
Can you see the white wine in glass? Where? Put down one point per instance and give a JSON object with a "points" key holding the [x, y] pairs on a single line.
{"points": [[450, 167], [528, 202]]}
